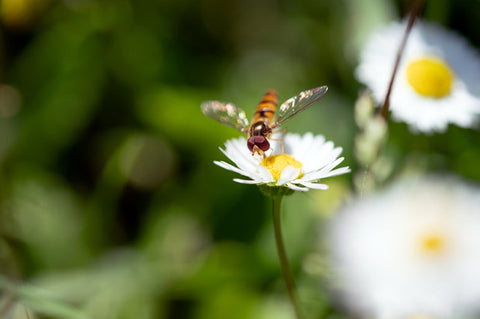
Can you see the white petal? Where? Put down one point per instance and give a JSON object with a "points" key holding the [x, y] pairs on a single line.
{"points": [[320, 156], [265, 174], [338, 171], [322, 173], [237, 154], [301, 147], [297, 188], [289, 173], [247, 181], [231, 168], [315, 185]]}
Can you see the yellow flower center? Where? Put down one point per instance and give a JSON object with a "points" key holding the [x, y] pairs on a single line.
{"points": [[277, 163], [433, 243], [430, 77]]}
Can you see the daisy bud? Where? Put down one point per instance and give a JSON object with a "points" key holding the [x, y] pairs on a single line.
{"points": [[363, 109]]}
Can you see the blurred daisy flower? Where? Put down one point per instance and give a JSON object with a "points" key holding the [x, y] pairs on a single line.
{"points": [[410, 252], [438, 79], [307, 160]]}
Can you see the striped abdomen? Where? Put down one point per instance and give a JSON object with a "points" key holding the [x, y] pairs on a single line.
{"points": [[266, 108], [260, 130]]}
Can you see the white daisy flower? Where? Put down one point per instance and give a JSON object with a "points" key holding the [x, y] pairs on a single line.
{"points": [[438, 79], [306, 161], [410, 252]]}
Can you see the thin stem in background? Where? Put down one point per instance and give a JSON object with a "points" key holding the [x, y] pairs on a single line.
{"points": [[414, 12], [287, 277]]}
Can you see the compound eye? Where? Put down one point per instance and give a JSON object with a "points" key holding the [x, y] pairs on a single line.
{"points": [[251, 143], [262, 143]]}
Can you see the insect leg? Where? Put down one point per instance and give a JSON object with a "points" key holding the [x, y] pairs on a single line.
{"points": [[281, 142], [282, 131]]}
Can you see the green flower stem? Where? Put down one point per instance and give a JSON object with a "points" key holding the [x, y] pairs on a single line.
{"points": [[287, 277]]}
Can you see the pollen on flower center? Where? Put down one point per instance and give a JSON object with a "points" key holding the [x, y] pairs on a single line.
{"points": [[430, 77], [277, 163]]}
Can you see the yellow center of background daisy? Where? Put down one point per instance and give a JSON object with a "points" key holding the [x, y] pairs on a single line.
{"points": [[430, 77], [432, 243], [277, 163]]}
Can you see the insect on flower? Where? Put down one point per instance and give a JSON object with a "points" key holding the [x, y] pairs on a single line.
{"points": [[261, 129]]}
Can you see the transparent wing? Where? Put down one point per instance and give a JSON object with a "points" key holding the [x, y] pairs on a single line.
{"points": [[298, 103], [226, 113]]}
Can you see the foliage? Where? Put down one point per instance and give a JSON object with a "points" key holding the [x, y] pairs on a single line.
{"points": [[109, 200]]}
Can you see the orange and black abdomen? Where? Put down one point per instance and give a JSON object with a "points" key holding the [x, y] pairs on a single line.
{"points": [[266, 108]]}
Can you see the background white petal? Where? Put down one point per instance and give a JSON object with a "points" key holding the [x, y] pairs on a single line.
{"points": [[382, 266]]}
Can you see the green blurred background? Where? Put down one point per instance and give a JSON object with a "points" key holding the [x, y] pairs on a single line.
{"points": [[109, 200]]}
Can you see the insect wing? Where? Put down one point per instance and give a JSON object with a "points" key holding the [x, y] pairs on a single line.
{"points": [[298, 103], [226, 113]]}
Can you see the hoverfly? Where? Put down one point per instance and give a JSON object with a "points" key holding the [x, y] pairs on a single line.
{"points": [[261, 129]]}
